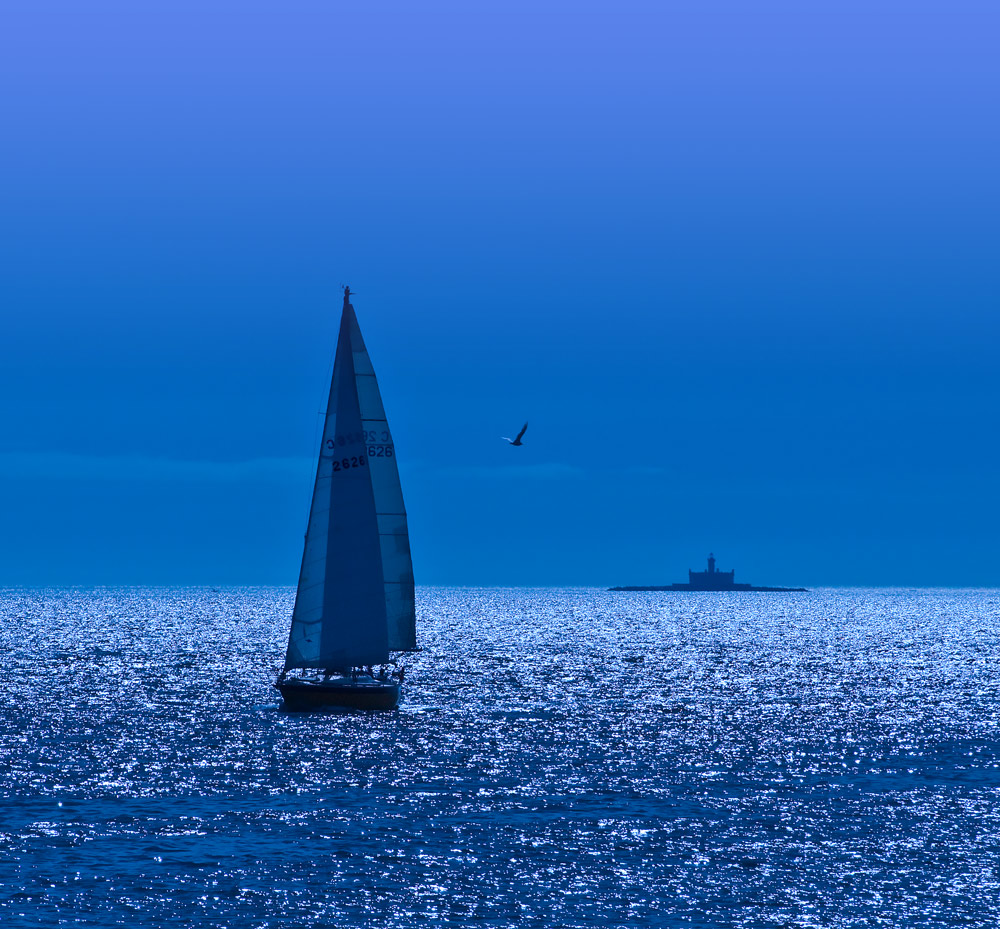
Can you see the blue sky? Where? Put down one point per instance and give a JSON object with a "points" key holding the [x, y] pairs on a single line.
{"points": [[736, 264]]}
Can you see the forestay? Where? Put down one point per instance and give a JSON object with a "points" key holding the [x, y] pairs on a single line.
{"points": [[355, 596]]}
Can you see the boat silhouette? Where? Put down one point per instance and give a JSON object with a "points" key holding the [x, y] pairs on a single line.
{"points": [[714, 580], [354, 604]]}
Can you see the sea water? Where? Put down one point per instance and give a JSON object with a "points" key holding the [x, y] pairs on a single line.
{"points": [[562, 758]]}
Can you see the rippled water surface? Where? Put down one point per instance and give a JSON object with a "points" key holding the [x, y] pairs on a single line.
{"points": [[562, 758]]}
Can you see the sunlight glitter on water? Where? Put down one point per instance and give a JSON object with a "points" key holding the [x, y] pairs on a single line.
{"points": [[562, 758]]}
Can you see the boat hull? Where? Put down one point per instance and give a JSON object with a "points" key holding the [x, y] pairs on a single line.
{"points": [[353, 695]]}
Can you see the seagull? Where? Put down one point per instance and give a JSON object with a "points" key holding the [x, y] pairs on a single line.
{"points": [[516, 441]]}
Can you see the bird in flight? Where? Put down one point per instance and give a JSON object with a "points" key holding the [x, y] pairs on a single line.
{"points": [[516, 441]]}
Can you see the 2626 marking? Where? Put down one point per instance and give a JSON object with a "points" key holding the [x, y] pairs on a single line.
{"points": [[355, 461]]}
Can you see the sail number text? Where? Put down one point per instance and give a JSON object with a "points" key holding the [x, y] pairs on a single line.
{"points": [[378, 442], [355, 461]]}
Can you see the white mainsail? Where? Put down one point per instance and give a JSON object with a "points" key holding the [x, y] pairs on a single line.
{"points": [[394, 537], [355, 597]]}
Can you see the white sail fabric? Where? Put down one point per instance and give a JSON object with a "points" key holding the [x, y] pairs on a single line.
{"points": [[355, 596], [397, 566]]}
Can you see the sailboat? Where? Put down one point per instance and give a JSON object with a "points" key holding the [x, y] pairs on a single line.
{"points": [[355, 604]]}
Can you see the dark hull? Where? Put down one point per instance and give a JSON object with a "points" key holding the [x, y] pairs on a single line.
{"points": [[367, 695]]}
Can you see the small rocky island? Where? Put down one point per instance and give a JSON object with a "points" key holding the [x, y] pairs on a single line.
{"points": [[713, 580]]}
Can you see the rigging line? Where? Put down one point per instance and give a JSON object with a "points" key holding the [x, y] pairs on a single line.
{"points": [[324, 398], [321, 423], [321, 414]]}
